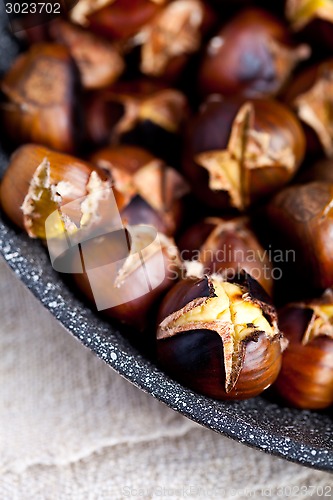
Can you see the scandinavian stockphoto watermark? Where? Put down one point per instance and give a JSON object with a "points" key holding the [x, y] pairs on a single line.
{"points": [[88, 236], [25, 14]]}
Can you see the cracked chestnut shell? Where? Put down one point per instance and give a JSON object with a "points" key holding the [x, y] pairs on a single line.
{"points": [[142, 112], [100, 62], [238, 152], [306, 377], [301, 219], [227, 247], [149, 192], [124, 281], [321, 170], [39, 181], [310, 95], [253, 55], [41, 92], [219, 338]]}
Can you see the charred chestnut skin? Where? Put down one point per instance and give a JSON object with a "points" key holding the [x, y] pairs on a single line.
{"points": [[195, 357], [41, 92], [249, 56], [301, 219], [136, 208], [233, 240], [210, 130], [306, 377]]}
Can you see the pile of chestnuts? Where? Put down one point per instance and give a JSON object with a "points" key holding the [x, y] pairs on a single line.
{"points": [[176, 156]]}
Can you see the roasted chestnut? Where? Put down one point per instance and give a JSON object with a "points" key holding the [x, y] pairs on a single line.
{"points": [[227, 246], [125, 272], [149, 192], [301, 218], [314, 19], [306, 376], [219, 338], [172, 36], [38, 181], [249, 150], [41, 92], [139, 112], [252, 55], [100, 63], [116, 19], [310, 95]]}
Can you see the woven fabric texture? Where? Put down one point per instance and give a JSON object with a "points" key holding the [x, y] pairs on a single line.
{"points": [[72, 428]]}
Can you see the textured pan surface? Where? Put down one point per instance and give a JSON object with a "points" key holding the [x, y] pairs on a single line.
{"points": [[303, 437]]}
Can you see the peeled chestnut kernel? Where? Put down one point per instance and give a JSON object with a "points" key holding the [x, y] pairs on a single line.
{"points": [[227, 247], [100, 63], [239, 152], [149, 192], [302, 12], [311, 96], [306, 376], [41, 93], [141, 112], [301, 218], [219, 338], [172, 36], [126, 271], [252, 55], [39, 181]]}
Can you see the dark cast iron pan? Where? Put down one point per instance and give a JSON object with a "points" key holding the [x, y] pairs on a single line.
{"points": [[300, 436]]}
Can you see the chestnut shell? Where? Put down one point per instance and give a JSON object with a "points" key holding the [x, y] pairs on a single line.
{"points": [[306, 376], [195, 357], [210, 131]]}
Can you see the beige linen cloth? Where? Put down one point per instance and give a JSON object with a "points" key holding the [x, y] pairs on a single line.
{"points": [[72, 428]]}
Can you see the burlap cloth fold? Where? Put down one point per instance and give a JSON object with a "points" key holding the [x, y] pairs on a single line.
{"points": [[72, 428]]}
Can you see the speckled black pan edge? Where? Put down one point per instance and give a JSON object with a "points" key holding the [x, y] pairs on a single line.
{"points": [[302, 437]]}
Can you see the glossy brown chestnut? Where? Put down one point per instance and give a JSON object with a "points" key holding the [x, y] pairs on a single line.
{"points": [[301, 218], [116, 19], [149, 192], [125, 281], [306, 376], [322, 170], [227, 246], [252, 55], [219, 338], [38, 181], [41, 93], [100, 62], [310, 95], [237, 152]]}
